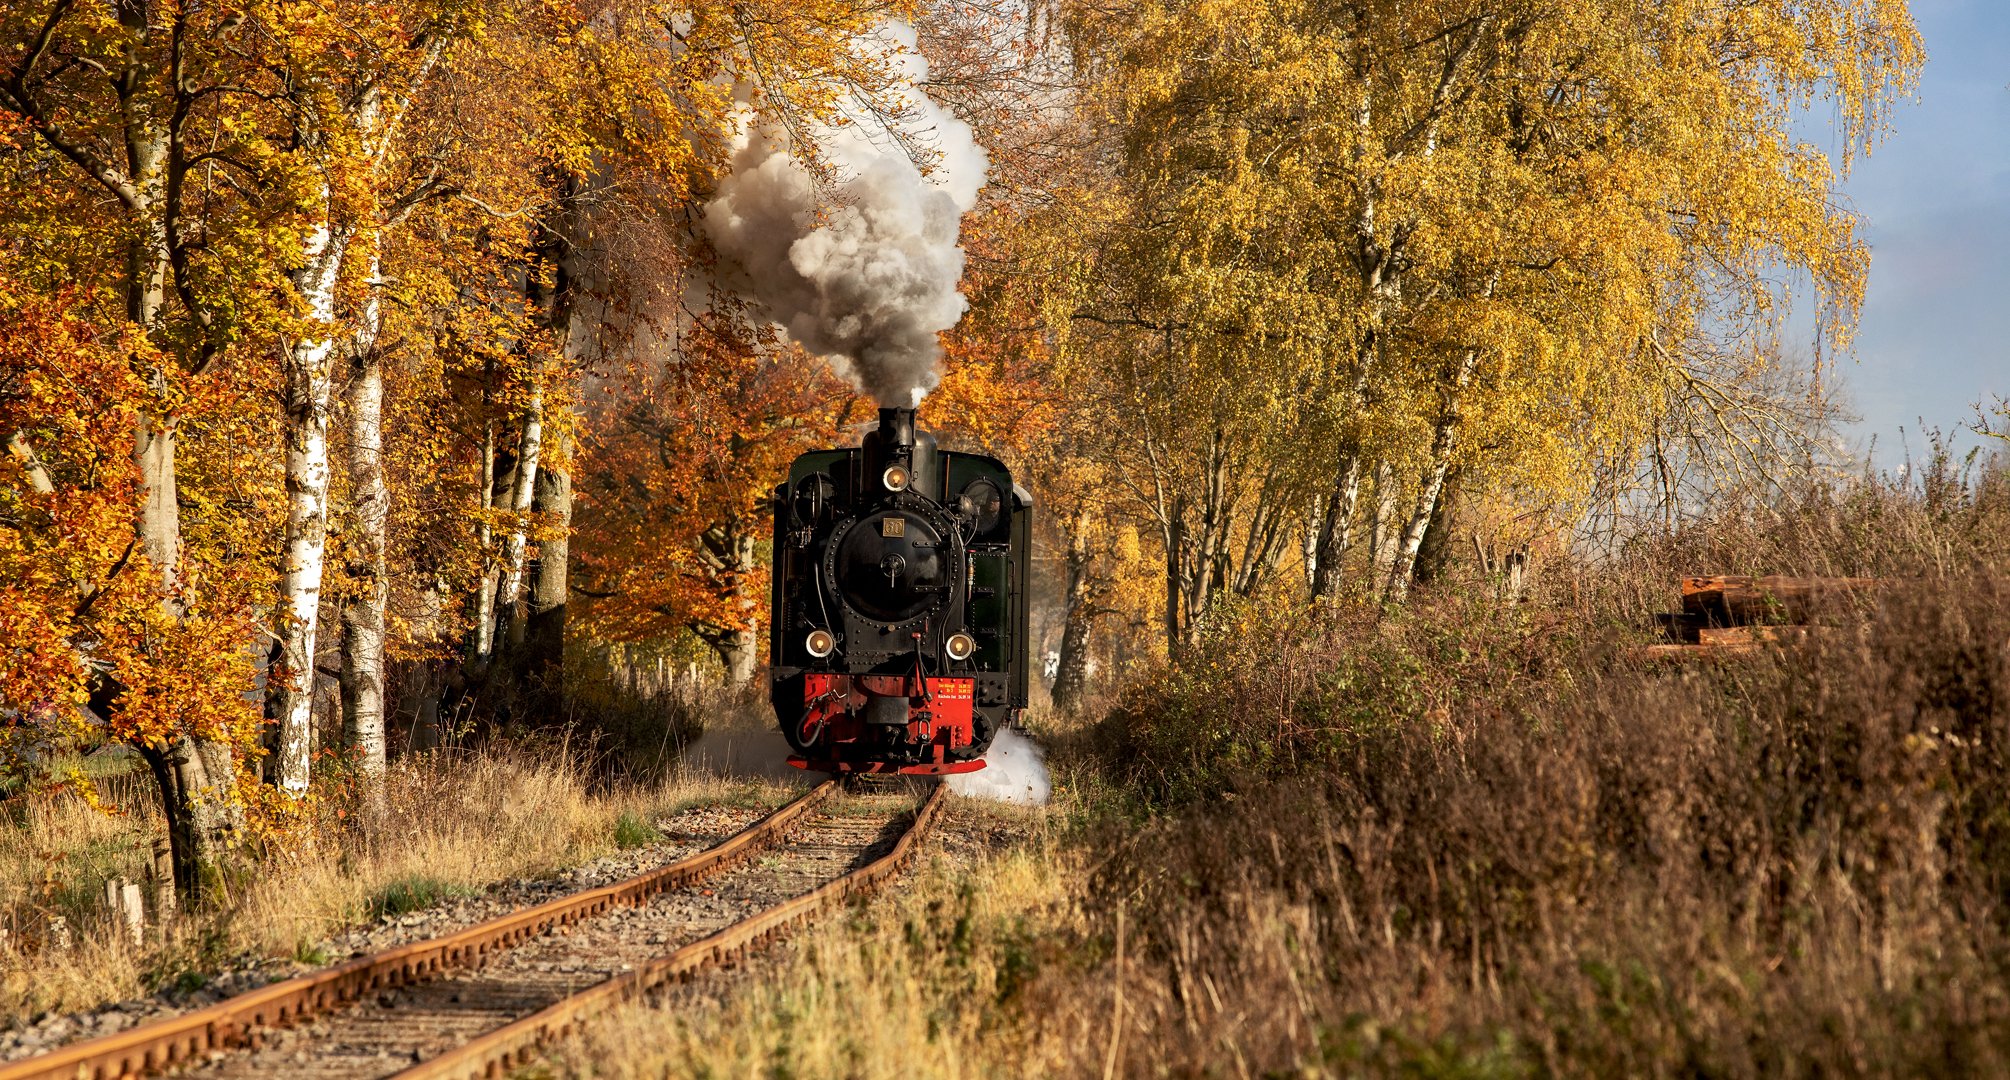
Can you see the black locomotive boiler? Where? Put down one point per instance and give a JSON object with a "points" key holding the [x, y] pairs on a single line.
{"points": [[900, 597]]}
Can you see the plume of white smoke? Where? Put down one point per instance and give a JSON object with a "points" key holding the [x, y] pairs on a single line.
{"points": [[871, 284], [1014, 772]]}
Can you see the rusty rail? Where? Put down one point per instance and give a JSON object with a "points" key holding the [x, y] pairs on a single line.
{"points": [[154, 1046], [495, 1053]]}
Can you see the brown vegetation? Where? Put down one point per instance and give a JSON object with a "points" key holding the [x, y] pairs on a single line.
{"points": [[1795, 865], [1471, 838]]}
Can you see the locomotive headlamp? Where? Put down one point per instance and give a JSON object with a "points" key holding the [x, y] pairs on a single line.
{"points": [[960, 645], [820, 643], [895, 478], [982, 503]]}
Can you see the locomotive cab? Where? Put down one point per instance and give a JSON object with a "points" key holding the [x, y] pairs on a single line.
{"points": [[898, 631]]}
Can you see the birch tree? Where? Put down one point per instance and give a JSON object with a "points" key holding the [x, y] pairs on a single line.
{"points": [[1445, 233], [364, 616], [349, 105]]}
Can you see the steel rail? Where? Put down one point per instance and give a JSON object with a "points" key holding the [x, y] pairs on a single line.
{"points": [[513, 1045], [234, 1021]]}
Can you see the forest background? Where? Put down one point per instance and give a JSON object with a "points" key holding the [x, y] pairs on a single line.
{"points": [[370, 381]]}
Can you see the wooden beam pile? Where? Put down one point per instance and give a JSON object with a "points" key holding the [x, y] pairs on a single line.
{"points": [[1727, 615]]}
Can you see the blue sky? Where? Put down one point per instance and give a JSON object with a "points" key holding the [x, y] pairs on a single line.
{"points": [[1935, 197]]}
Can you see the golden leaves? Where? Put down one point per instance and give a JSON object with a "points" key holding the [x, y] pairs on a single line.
{"points": [[1332, 203]]}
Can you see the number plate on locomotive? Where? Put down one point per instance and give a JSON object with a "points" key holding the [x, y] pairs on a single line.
{"points": [[892, 526]]}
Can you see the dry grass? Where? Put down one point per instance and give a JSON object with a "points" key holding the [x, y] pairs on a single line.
{"points": [[462, 825], [451, 825], [1793, 866], [54, 859]]}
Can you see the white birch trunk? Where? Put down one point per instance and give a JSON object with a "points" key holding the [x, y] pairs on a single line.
{"points": [[522, 493], [485, 597], [1444, 440], [1382, 532], [1308, 541], [363, 616], [307, 388]]}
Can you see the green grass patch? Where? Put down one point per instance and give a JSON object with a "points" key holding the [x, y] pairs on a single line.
{"points": [[630, 831], [412, 893]]}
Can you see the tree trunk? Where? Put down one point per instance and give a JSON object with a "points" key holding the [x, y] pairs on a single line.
{"points": [[308, 381], [1434, 554], [1175, 540], [482, 645], [1308, 541], [186, 851], [1072, 679], [363, 616], [523, 493], [1335, 530], [1382, 530], [160, 512], [739, 649], [1444, 440], [154, 435], [543, 656], [424, 685], [1203, 565]]}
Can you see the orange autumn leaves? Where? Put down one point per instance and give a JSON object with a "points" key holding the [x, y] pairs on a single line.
{"points": [[682, 453], [81, 600]]}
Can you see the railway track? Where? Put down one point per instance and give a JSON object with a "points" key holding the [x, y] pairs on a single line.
{"points": [[481, 1000]]}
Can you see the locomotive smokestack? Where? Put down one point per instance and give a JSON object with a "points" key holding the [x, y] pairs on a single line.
{"points": [[896, 442], [896, 427]]}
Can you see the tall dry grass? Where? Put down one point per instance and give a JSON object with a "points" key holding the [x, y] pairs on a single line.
{"points": [[1479, 838], [1792, 866], [55, 855], [460, 823]]}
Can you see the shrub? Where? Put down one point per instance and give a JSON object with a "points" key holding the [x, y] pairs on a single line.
{"points": [[1789, 865]]}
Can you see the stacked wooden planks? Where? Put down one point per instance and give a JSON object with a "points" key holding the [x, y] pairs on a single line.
{"points": [[1725, 615]]}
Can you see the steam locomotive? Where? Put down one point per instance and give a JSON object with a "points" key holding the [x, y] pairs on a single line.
{"points": [[900, 597]]}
